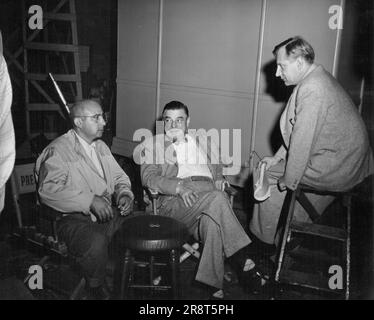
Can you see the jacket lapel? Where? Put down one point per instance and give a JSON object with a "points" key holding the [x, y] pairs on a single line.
{"points": [[84, 157], [103, 164]]}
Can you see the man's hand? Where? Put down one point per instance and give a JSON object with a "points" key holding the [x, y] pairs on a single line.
{"points": [[176, 135], [102, 209], [188, 196], [221, 184], [269, 161], [281, 185], [125, 205]]}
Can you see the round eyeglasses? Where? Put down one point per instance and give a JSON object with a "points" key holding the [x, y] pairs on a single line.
{"points": [[177, 122], [96, 117]]}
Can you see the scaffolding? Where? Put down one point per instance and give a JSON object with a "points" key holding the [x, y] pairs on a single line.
{"points": [[52, 49]]}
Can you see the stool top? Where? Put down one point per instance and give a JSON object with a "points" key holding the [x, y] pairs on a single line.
{"points": [[152, 233]]}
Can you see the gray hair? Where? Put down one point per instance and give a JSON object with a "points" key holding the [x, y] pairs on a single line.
{"points": [[296, 47]]}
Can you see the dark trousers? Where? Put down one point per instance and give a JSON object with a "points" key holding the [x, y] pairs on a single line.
{"points": [[89, 242]]}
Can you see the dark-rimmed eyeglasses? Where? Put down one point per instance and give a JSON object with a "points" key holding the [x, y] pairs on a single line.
{"points": [[96, 117], [177, 122]]}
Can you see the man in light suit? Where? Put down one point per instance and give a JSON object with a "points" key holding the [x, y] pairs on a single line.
{"points": [[325, 143], [78, 176], [188, 174]]}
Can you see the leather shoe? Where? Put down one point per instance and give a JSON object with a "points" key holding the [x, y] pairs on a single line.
{"points": [[254, 280], [217, 295]]}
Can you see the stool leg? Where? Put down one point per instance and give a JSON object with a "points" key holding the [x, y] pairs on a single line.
{"points": [[151, 269], [285, 234], [348, 247], [174, 263], [117, 276], [126, 274], [151, 273]]}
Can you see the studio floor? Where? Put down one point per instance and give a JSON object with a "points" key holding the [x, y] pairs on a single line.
{"points": [[60, 280]]}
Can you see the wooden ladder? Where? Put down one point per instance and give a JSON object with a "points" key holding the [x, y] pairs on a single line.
{"points": [[49, 45], [285, 273]]}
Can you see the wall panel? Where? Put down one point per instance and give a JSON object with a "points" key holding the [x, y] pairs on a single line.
{"points": [[136, 70], [284, 19], [208, 61]]}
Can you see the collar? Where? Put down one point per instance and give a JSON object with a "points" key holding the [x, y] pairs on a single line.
{"points": [[84, 143], [310, 70], [187, 139]]}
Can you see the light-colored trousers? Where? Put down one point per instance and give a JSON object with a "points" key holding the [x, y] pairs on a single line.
{"points": [[211, 220], [264, 222]]}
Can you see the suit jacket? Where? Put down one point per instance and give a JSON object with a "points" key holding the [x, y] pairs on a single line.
{"points": [[7, 140], [68, 180], [326, 145], [159, 169]]}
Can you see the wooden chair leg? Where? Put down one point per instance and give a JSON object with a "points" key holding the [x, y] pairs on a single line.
{"points": [[78, 289], [174, 264], [348, 246], [151, 274], [151, 269], [285, 234], [126, 274]]}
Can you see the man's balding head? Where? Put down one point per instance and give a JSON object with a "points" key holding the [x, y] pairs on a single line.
{"points": [[81, 108], [88, 119]]}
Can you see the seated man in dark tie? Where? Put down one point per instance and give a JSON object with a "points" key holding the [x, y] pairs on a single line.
{"points": [[191, 192], [78, 176]]}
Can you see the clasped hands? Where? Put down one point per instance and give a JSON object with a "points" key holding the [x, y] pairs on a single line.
{"points": [[102, 209], [270, 162]]}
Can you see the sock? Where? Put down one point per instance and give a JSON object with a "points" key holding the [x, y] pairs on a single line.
{"points": [[248, 265]]}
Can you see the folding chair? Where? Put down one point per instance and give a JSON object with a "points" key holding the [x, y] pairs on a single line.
{"points": [[41, 233], [23, 182]]}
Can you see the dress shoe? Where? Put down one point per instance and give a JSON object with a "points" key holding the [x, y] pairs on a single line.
{"points": [[254, 280], [217, 295], [254, 271]]}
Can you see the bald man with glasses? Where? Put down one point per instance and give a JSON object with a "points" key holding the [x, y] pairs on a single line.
{"points": [[78, 176]]}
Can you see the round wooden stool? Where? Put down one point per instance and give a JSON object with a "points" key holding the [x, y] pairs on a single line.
{"points": [[152, 235]]}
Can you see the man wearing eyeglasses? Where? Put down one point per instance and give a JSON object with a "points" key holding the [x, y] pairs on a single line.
{"points": [[188, 174], [78, 176]]}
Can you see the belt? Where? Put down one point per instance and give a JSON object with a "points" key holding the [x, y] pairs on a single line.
{"points": [[199, 178]]}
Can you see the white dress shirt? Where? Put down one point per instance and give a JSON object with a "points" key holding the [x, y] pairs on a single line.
{"points": [[191, 161], [90, 150]]}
